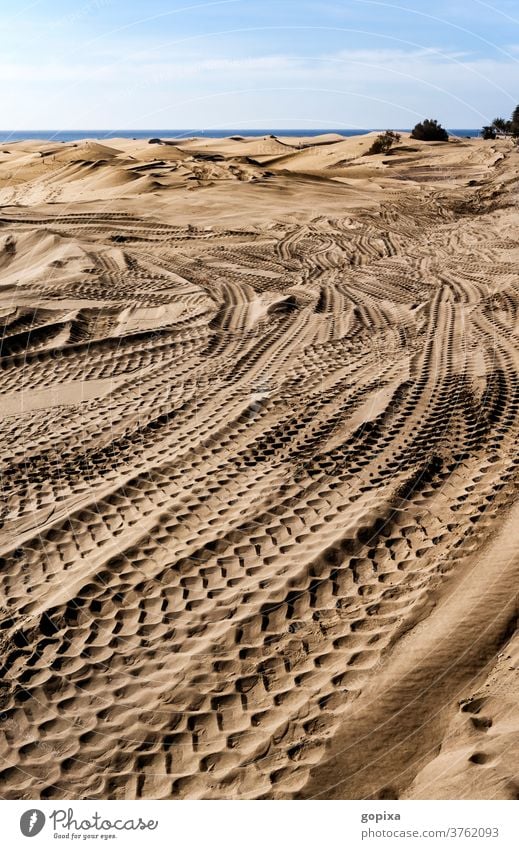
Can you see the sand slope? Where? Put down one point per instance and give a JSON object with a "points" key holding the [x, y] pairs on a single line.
{"points": [[259, 469]]}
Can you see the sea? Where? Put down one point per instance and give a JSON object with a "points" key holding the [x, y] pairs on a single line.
{"points": [[74, 135]]}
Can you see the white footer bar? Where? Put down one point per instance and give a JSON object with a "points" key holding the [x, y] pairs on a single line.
{"points": [[260, 825]]}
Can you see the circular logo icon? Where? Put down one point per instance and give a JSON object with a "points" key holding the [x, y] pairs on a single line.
{"points": [[32, 822]]}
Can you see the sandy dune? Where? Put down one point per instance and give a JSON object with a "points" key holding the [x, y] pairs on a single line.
{"points": [[259, 468]]}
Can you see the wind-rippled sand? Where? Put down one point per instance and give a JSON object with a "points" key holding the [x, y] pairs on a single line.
{"points": [[259, 469]]}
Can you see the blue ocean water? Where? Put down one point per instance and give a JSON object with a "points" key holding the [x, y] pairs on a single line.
{"points": [[75, 135]]}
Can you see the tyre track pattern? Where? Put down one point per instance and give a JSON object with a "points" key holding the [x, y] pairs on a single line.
{"points": [[216, 556]]}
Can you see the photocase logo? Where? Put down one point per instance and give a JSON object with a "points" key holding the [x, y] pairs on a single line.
{"points": [[32, 822]]}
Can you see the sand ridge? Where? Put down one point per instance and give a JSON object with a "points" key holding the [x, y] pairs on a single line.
{"points": [[259, 468]]}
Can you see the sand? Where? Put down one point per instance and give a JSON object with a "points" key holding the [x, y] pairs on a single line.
{"points": [[259, 428]]}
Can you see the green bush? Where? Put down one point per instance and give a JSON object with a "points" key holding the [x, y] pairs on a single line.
{"points": [[488, 132], [429, 130], [383, 142]]}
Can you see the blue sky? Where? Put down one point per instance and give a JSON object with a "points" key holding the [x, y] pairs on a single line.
{"points": [[120, 64]]}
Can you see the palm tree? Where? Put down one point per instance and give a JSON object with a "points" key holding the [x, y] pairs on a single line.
{"points": [[514, 123], [501, 126]]}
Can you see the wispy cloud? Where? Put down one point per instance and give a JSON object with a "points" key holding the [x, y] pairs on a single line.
{"points": [[107, 69]]}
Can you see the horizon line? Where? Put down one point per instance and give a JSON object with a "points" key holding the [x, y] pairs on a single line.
{"points": [[217, 129]]}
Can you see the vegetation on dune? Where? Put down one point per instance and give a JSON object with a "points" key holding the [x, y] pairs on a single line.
{"points": [[384, 142], [429, 130], [489, 132], [502, 127]]}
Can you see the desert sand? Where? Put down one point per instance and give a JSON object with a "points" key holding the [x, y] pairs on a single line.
{"points": [[259, 414]]}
